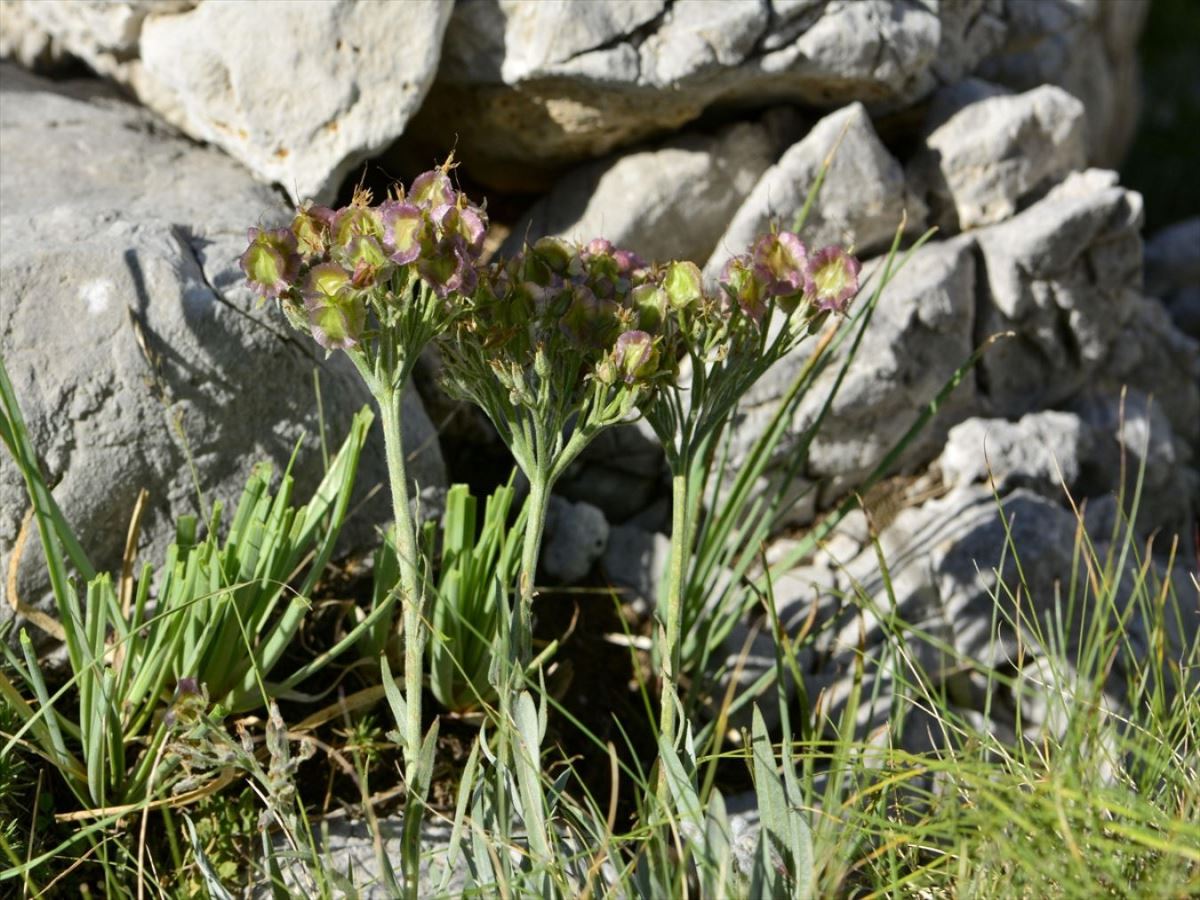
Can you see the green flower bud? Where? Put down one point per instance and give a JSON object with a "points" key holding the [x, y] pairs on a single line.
{"points": [[683, 284], [650, 303], [635, 357]]}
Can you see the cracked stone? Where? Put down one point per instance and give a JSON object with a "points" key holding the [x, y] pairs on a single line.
{"points": [[133, 344]]}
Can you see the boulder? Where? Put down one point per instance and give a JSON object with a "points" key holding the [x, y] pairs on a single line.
{"points": [[139, 356], [979, 161], [1044, 452], [1065, 276], [1089, 50], [861, 202], [300, 93], [669, 202]]}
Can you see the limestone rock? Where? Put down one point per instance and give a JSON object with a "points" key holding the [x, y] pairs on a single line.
{"points": [[1088, 49], [670, 202], [861, 202], [131, 339], [523, 105], [1043, 451], [985, 157], [301, 93], [921, 333], [1065, 276], [1133, 438], [576, 535]]}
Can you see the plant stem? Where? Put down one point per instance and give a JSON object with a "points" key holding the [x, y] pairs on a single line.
{"points": [[390, 398], [539, 499], [671, 632]]}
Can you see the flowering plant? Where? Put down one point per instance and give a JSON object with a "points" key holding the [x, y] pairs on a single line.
{"points": [[768, 300], [379, 282], [554, 345]]}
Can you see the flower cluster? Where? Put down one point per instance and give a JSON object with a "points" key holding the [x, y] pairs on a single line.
{"points": [[591, 311], [332, 267], [598, 317], [778, 269]]}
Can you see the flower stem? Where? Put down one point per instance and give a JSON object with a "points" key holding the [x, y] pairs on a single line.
{"points": [[390, 399], [539, 499], [671, 631]]}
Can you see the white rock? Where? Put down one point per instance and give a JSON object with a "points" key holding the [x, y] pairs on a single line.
{"points": [[301, 93], [1065, 275], [1043, 451], [861, 202], [671, 202], [979, 163]]}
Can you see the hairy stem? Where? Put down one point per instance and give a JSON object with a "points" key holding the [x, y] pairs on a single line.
{"points": [[539, 499], [671, 631], [412, 596]]}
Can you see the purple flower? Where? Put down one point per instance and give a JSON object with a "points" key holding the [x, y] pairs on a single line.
{"points": [[271, 262], [432, 189], [403, 229], [467, 223], [781, 262], [336, 314], [352, 221], [628, 262], [832, 279], [447, 267], [598, 247]]}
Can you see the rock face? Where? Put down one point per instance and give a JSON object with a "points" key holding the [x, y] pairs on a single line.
{"points": [[134, 346], [300, 93], [615, 73]]}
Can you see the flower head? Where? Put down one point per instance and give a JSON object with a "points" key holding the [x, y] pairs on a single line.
{"points": [[684, 284], [781, 262], [311, 228], [634, 358], [403, 229], [271, 262], [432, 189], [832, 279], [336, 314]]}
